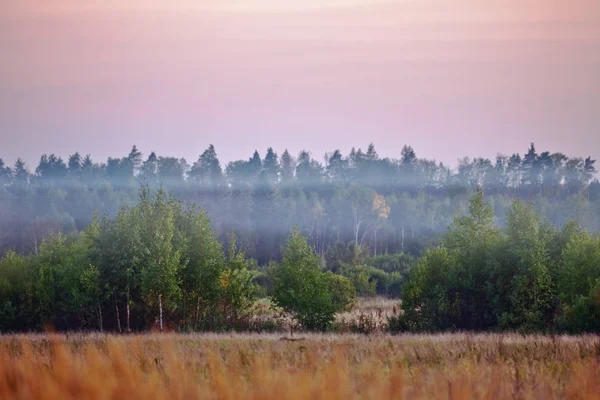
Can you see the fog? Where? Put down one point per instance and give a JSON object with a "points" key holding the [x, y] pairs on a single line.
{"points": [[385, 205]]}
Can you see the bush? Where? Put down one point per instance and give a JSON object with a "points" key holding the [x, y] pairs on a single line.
{"points": [[369, 281], [389, 263], [398, 323], [361, 279], [342, 291]]}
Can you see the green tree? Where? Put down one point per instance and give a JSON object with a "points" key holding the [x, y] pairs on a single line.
{"points": [[17, 293], [300, 287], [5, 173], [238, 290], [579, 284], [531, 294], [161, 261], [271, 168], [134, 159], [171, 171], [149, 171], [207, 170], [288, 166], [122, 255], [75, 164], [428, 297], [202, 262]]}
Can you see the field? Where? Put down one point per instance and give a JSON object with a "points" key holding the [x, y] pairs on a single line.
{"points": [[155, 366]]}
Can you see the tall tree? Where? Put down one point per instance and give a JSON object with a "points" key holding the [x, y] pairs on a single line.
{"points": [[51, 167], [149, 170], [5, 173], [20, 173], [288, 166], [160, 279], [308, 171], [531, 293], [337, 167], [271, 168], [254, 167], [371, 153], [171, 171], [75, 164], [531, 169], [135, 159], [202, 255], [207, 170]]}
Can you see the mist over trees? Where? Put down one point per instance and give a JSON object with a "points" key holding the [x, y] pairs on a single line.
{"points": [[386, 205], [138, 241]]}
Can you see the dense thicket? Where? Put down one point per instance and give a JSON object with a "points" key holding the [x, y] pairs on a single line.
{"points": [[387, 205]]}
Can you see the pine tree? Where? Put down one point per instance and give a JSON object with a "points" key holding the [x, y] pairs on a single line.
{"points": [[20, 173], [207, 170], [74, 164], [271, 168], [5, 174], [135, 159], [149, 171], [288, 166]]}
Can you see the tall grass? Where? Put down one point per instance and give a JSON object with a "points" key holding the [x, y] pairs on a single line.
{"points": [[458, 366]]}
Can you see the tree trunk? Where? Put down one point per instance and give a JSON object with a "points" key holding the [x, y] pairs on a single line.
{"points": [[198, 311], [185, 321], [118, 315], [375, 241], [100, 317], [362, 239], [588, 192], [128, 312], [160, 317], [402, 245]]}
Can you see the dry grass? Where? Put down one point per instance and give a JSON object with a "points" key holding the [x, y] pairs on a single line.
{"points": [[369, 315], [376, 304], [347, 367]]}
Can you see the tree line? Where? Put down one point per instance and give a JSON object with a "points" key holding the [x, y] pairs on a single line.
{"points": [[387, 206], [159, 264]]}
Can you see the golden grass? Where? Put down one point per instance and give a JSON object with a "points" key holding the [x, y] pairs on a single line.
{"points": [[346, 367]]}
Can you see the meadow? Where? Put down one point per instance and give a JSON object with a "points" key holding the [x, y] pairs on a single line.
{"points": [[312, 366]]}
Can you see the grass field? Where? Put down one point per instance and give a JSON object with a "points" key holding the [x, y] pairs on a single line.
{"points": [[452, 366]]}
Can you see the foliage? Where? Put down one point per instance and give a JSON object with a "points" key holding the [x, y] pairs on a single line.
{"points": [[301, 287], [342, 291], [361, 280], [239, 292], [482, 277]]}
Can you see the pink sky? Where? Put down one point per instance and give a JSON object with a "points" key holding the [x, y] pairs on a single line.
{"points": [[451, 78]]}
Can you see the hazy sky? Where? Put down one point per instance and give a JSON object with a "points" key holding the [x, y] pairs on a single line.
{"points": [[450, 77]]}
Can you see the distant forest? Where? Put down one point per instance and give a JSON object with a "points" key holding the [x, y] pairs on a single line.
{"points": [[384, 205]]}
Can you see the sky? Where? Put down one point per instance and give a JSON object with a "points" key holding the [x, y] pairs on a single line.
{"points": [[452, 78]]}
